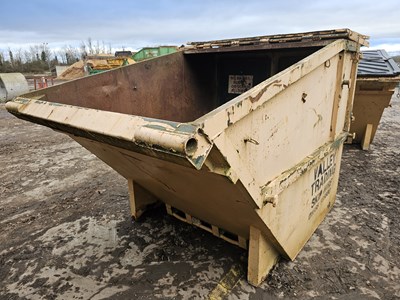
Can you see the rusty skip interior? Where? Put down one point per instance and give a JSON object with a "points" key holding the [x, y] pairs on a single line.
{"points": [[179, 87], [185, 85]]}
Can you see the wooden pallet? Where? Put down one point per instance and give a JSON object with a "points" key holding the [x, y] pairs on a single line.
{"points": [[218, 232]]}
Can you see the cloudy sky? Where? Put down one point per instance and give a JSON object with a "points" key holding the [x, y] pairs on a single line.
{"points": [[135, 24]]}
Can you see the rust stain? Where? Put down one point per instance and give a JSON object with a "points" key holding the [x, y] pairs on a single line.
{"points": [[275, 83], [258, 96], [239, 104], [229, 113]]}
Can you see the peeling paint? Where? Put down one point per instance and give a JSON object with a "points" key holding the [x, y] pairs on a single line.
{"points": [[109, 133], [182, 127]]}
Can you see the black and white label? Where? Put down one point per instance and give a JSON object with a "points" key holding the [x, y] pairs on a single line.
{"points": [[238, 84]]}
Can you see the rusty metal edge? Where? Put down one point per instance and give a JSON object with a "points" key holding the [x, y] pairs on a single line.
{"points": [[152, 137], [261, 46], [308, 37]]}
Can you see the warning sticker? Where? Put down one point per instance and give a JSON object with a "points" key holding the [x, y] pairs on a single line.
{"points": [[238, 84]]}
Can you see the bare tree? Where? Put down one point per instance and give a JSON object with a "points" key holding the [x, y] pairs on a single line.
{"points": [[11, 57], [38, 58], [83, 51], [45, 54], [55, 59], [34, 52], [71, 54], [103, 47], [90, 45], [94, 47], [61, 56], [97, 47], [27, 56], [18, 55]]}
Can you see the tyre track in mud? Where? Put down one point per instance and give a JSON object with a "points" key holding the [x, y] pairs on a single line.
{"points": [[66, 233]]}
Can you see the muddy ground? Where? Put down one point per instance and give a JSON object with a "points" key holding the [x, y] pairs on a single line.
{"points": [[66, 233]]}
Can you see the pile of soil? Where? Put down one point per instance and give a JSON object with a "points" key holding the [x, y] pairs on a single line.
{"points": [[77, 70]]}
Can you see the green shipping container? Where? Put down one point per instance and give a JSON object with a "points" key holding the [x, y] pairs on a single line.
{"points": [[150, 52]]}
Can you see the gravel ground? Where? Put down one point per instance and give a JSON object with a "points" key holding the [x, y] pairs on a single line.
{"points": [[66, 233]]}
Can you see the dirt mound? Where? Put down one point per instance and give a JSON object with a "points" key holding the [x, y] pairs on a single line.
{"points": [[74, 71], [77, 70]]}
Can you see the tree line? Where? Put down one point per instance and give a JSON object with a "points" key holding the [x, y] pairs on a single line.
{"points": [[41, 58]]}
